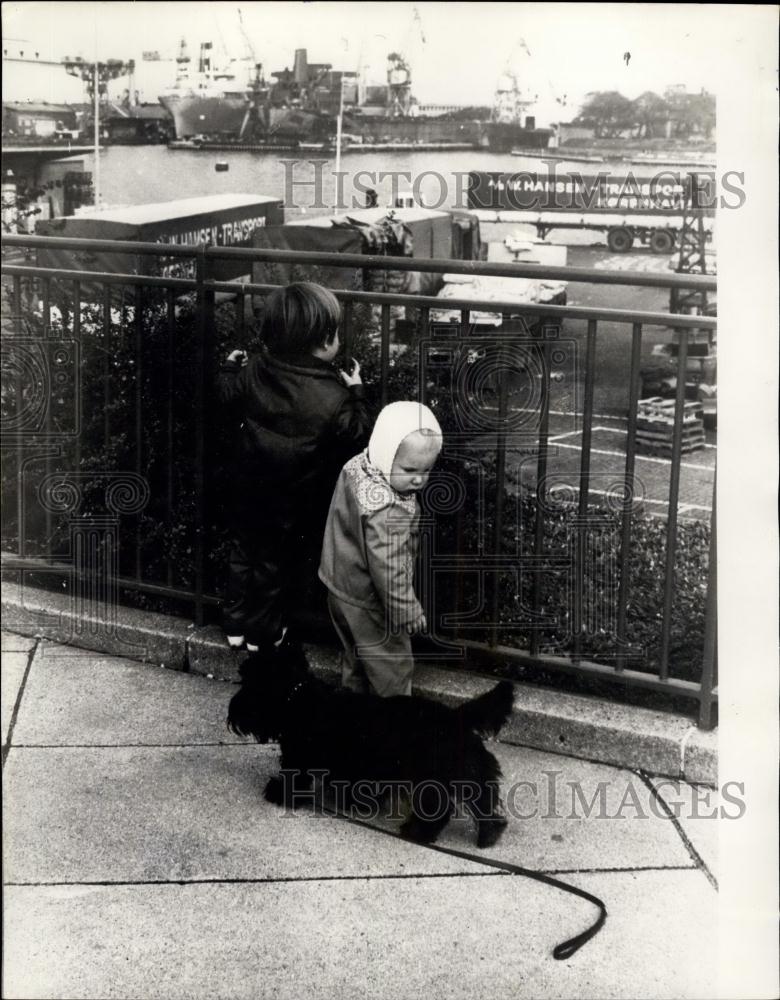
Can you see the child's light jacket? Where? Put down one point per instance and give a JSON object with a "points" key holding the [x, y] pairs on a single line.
{"points": [[370, 544]]}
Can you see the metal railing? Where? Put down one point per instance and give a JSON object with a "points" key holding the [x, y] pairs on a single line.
{"points": [[44, 443]]}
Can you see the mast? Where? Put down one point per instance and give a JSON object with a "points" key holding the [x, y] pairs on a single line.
{"points": [[97, 135], [182, 63], [338, 144]]}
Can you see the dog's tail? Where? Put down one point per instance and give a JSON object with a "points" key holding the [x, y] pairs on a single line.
{"points": [[488, 713]]}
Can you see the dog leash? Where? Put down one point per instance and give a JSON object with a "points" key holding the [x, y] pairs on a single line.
{"points": [[560, 952]]}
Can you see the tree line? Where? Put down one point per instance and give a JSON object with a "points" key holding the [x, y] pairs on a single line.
{"points": [[649, 116]]}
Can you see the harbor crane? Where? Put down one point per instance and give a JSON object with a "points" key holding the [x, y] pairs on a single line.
{"points": [[399, 71], [96, 76], [100, 73], [257, 105]]}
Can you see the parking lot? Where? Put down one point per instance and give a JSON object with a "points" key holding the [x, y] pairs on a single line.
{"points": [[611, 397]]}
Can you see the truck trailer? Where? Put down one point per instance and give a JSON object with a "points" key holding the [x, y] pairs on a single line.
{"points": [[627, 208]]}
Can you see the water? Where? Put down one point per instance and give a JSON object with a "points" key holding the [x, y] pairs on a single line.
{"points": [[134, 175]]}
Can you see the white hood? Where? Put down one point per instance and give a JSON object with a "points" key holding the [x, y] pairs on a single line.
{"points": [[394, 423]]}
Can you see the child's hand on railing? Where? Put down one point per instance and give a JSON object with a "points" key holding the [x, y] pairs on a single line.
{"points": [[241, 356], [353, 377]]}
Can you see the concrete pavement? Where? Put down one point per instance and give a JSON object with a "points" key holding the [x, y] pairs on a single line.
{"points": [[141, 861]]}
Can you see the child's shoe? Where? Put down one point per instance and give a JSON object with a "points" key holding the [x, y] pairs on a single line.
{"points": [[235, 641]]}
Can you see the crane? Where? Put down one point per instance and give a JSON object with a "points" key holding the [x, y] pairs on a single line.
{"points": [[258, 95], [399, 70]]}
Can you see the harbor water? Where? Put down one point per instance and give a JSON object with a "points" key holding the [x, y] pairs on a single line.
{"points": [[304, 180]]}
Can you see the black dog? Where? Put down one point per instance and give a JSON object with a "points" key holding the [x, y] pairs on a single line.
{"points": [[433, 752]]}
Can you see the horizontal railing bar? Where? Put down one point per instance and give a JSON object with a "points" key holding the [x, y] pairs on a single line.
{"points": [[363, 261], [116, 246], [634, 678], [102, 277], [475, 267], [676, 320]]}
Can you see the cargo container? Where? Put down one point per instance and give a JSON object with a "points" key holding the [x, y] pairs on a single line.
{"points": [[225, 220], [434, 234]]}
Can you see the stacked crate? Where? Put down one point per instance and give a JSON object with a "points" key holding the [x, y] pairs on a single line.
{"points": [[655, 426]]}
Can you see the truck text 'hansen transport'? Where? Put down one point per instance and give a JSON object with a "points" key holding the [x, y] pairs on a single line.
{"points": [[648, 208]]}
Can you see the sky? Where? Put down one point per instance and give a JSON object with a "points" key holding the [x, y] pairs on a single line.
{"points": [[457, 51]]}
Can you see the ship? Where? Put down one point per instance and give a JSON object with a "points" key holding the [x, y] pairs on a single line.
{"points": [[210, 101], [301, 106], [213, 104]]}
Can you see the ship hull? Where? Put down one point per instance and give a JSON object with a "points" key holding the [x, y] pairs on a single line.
{"points": [[225, 116], [498, 136], [194, 115]]}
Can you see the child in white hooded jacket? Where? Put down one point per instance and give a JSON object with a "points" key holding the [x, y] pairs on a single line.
{"points": [[370, 546]]}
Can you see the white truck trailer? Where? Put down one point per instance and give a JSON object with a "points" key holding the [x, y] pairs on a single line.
{"points": [[628, 208]]}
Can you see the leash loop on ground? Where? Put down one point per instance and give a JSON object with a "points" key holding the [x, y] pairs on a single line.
{"points": [[562, 951]]}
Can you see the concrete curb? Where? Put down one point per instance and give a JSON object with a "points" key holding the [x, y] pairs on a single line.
{"points": [[576, 725]]}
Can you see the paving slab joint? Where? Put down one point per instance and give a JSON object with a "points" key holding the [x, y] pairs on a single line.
{"points": [[31, 654], [694, 855]]}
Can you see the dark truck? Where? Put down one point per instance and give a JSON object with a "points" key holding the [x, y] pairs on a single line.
{"points": [[228, 220]]}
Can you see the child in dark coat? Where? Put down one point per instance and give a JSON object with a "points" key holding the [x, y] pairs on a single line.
{"points": [[301, 419]]}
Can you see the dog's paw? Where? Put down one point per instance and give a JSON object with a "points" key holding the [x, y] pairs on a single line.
{"points": [[274, 791], [489, 830]]}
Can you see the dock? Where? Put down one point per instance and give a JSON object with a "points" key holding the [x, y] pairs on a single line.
{"points": [[13, 154], [317, 147]]}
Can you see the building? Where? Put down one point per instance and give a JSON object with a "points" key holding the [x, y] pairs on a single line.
{"points": [[43, 121], [136, 124]]}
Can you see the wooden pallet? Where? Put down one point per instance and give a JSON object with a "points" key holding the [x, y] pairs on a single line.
{"points": [[664, 432], [655, 427], [658, 408], [664, 427], [666, 450]]}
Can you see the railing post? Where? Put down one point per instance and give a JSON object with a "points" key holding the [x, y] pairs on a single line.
{"points": [[205, 314], [710, 653], [346, 328], [629, 480], [170, 317], [422, 335], [384, 355], [138, 353], [501, 442], [674, 494], [48, 425], [578, 615], [545, 324]]}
